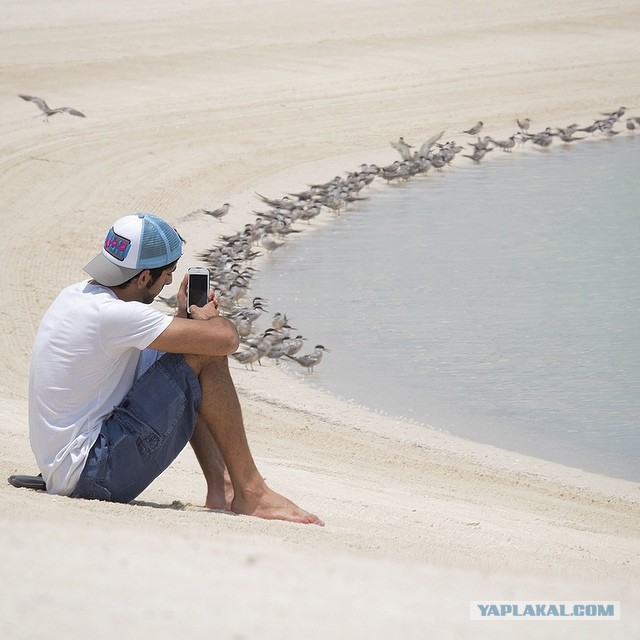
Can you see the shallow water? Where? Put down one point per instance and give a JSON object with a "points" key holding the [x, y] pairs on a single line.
{"points": [[500, 302]]}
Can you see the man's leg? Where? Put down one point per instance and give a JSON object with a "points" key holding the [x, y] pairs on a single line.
{"points": [[144, 434], [219, 488], [221, 413]]}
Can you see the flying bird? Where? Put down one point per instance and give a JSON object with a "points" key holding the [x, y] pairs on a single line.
{"points": [[475, 129], [47, 111], [478, 154], [215, 213]]}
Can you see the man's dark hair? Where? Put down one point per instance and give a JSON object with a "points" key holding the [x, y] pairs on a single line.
{"points": [[155, 275]]}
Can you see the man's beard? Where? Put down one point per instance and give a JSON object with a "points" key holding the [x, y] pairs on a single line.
{"points": [[148, 296]]}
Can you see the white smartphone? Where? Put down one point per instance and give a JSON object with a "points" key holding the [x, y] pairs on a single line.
{"points": [[197, 287]]}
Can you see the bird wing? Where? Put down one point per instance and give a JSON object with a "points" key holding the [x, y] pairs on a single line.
{"points": [[403, 149], [426, 146], [72, 112], [39, 102], [217, 213]]}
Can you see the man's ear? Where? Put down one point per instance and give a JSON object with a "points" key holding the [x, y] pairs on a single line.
{"points": [[144, 277]]}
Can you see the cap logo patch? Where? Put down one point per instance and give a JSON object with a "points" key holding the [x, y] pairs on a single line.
{"points": [[116, 245]]}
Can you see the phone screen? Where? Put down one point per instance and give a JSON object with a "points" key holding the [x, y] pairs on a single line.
{"points": [[198, 289]]}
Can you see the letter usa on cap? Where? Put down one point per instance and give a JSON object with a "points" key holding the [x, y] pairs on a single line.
{"points": [[116, 245]]}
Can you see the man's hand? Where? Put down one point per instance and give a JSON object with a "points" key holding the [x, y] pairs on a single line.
{"points": [[210, 310]]}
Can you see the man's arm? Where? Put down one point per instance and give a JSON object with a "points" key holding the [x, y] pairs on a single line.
{"points": [[205, 333], [214, 337]]}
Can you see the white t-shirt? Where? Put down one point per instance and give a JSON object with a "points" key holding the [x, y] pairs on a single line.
{"points": [[83, 364]]}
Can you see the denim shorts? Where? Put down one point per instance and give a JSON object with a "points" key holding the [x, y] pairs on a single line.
{"points": [[144, 434]]}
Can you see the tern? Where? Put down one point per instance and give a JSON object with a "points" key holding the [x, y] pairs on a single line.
{"points": [[402, 148], [294, 344], [543, 139], [616, 114], [475, 129], [505, 145], [215, 213], [247, 357], [264, 342], [427, 144], [269, 242], [278, 350], [250, 313], [47, 111], [567, 134], [311, 359], [478, 154], [279, 320]]}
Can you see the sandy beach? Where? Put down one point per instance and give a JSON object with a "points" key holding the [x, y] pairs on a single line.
{"points": [[194, 103]]}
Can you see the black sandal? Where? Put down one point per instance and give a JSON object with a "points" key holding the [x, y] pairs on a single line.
{"points": [[28, 482]]}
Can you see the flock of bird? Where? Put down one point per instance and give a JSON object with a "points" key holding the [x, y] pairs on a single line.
{"points": [[229, 261]]}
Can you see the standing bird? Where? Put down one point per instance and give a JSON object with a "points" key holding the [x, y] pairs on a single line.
{"points": [[505, 145], [278, 350], [244, 326], [293, 345], [524, 124], [475, 130], [47, 111], [268, 241], [264, 342], [249, 313], [247, 357], [543, 139], [310, 360], [279, 320]]}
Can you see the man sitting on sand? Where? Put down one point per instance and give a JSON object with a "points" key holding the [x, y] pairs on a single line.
{"points": [[118, 388]]}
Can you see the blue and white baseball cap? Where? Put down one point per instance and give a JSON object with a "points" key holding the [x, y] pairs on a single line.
{"points": [[134, 243]]}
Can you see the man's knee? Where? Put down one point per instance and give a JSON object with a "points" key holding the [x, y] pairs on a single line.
{"points": [[201, 362]]}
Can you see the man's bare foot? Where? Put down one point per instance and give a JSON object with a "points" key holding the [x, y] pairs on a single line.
{"points": [[265, 503]]}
